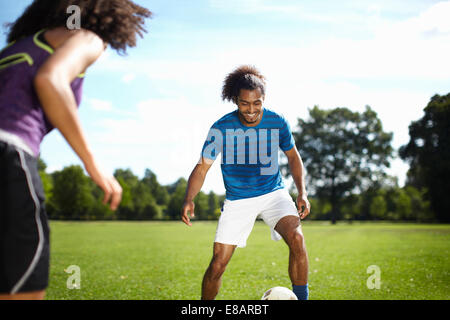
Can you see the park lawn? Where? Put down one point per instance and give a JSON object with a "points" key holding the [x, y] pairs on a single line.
{"points": [[166, 261]]}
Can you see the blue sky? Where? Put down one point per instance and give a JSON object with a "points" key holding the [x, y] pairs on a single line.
{"points": [[153, 108]]}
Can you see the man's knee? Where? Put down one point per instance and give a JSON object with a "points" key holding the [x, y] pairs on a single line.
{"points": [[217, 266], [295, 239]]}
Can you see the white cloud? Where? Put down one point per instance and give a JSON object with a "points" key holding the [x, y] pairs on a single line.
{"points": [[165, 135], [416, 48], [100, 105], [432, 22], [129, 77], [252, 6]]}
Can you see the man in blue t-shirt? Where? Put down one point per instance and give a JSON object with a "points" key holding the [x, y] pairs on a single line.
{"points": [[249, 139]]}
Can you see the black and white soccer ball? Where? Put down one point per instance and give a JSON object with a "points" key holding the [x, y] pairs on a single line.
{"points": [[279, 293]]}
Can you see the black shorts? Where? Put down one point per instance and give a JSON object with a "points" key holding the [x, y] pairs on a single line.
{"points": [[24, 230]]}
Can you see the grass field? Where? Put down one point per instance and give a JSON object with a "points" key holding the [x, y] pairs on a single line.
{"points": [[166, 261]]}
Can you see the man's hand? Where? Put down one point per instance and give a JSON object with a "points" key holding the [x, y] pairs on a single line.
{"points": [[188, 206], [303, 206]]}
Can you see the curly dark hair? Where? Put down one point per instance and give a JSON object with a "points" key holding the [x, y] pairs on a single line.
{"points": [[117, 22], [244, 77]]}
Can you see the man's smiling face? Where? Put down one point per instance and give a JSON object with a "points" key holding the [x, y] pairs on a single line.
{"points": [[250, 106]]}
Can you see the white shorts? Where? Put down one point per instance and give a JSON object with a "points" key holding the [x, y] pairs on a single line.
{"points": [[238, 216]]}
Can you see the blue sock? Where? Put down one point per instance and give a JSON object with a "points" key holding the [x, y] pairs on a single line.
{"points": [[302, 292]]}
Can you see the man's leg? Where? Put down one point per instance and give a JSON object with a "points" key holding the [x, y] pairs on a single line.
{"points": [[37, 295], [288, 228], [213, 276]]}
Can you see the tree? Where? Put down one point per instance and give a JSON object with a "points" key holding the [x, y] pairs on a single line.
{"points": [[201, 206], [158, 191], [177, 192], [343, 152], [72, 196], [428, 154], [47, 184], [213, 206], [322, 208], [144, 203], [128, 181], [403, 206], [420, 206], [378, 206], [138, 201], [351, 207]]}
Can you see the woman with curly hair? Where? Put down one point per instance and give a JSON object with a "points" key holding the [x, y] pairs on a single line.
{"points": [[41, 75]]}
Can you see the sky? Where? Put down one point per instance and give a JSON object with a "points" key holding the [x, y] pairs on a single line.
{"points": [[153, 108]]}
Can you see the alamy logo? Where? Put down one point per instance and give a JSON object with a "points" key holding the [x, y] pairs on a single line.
{"points": [[259, 146], [74, 21], [74, 280], [374, 281]]}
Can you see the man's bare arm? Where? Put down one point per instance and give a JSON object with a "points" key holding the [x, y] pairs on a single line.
{"points": [[298, 175], [195, 183]]}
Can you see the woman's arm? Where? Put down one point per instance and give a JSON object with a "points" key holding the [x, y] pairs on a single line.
{"points": [[52, 83]]}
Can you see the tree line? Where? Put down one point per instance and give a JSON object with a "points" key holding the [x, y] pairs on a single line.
{"points": [[71, 195], [345, 154]]}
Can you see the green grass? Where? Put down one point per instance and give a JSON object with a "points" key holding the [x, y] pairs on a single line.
{"points": [[166, 260]]}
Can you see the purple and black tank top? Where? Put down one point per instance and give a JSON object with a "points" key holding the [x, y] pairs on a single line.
{"points": [[22, 119]]}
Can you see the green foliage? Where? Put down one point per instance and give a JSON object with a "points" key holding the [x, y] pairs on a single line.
{"points": [[351, 207], [213, 206], [138, 201], [398, 205], [201, 206], [176, 199], [387, 203], [428, 153], [378, 207], [158, 191], [78, 198], [420, 206], [72, 194], [320, 208], [47, 184], [344, 152], [144, 202]]}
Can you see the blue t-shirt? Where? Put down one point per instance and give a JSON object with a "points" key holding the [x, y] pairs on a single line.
{"points": [[249, 154]]}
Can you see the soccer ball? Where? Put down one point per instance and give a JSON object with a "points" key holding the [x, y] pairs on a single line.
{"points": [[279, 293]]}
